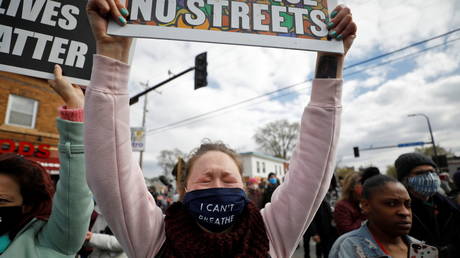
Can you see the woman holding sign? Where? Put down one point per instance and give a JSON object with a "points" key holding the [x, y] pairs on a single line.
{"points": [[35, 219], [214, 219]]}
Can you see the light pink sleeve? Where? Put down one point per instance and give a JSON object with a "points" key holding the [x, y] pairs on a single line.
{"points": [[113, 174], [295, 202]]}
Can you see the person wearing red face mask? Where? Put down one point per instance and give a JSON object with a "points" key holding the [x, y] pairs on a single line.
{"points": [[347, 213]]}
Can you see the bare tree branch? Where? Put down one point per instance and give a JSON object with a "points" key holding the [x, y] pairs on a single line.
{"points": [[167, 159], [277, 138]]}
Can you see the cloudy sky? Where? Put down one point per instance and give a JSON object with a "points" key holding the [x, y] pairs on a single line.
{"points": [[377, 98]]}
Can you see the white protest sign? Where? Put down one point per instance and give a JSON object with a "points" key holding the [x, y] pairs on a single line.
{"points": [[291, 24]]}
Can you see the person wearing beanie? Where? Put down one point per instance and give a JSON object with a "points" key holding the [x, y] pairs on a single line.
{"points": [[436, 219]]}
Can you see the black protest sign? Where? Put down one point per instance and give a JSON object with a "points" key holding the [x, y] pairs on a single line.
{"points": [[36, 34]]}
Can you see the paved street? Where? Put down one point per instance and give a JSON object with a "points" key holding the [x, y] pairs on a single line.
{"points": [[299, 253]]}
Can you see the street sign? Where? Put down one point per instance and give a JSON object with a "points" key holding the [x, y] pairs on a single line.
{"points": [[410, 144], [138, 138]]}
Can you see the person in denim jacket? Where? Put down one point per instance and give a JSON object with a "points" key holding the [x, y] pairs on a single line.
{"points": [[389, 221]]}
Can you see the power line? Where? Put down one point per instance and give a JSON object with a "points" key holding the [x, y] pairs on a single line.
{"points": [[403, 57], [184, 123], [229, 106], [193, 118], [388, 20], [401, 49]]}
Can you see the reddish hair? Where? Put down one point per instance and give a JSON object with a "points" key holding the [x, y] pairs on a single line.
{"points": [[206, 147], [37, 188]]}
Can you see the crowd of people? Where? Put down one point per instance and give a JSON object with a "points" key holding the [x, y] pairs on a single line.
{"points": [[381, 216], [101, 206]]}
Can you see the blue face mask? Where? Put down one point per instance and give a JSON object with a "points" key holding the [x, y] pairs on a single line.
{"points": [[216, 209], [425, 184], [273, 181]]}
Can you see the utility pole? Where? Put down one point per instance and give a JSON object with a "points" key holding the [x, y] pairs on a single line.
{"points": [[141, 153]]}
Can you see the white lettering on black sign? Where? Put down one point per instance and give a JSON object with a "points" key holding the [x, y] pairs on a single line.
{"points": [[36, 34]]}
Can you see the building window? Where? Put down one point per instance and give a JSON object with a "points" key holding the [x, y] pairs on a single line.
{"points": [[21, 111], [258, 166], [263, 167]]}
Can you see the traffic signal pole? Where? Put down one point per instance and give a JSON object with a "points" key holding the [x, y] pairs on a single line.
{"points": [[135, 98], [201, 74], [356, 149]]}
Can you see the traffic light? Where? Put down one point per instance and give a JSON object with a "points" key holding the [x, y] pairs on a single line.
{"points": [[201, 73], [356, 151]]}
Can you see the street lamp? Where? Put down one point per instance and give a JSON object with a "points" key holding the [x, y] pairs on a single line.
{"points": [[431, 132]]}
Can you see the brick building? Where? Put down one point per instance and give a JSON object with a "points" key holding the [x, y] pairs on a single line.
{"points": [[28, 110]]}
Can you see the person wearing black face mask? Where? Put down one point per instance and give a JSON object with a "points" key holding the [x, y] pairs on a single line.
{"points": [[436, 219], [36, 221], [214, 218]]}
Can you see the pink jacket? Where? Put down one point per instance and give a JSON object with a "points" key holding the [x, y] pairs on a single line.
{"points": [[118, 183]]}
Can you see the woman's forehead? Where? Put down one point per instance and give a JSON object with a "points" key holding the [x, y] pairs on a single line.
{"points": [[8, 184], [215, 161], [392, 190]]}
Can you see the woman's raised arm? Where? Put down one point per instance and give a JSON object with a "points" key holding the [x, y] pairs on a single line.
{"points": [[295, 202], [114, 175]]}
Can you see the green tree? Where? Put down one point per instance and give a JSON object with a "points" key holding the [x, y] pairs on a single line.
{"points": [[428, 151], [391, 171], [277, 138]]}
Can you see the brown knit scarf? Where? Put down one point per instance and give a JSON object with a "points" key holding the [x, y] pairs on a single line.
{"points": [[184, 238]]}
